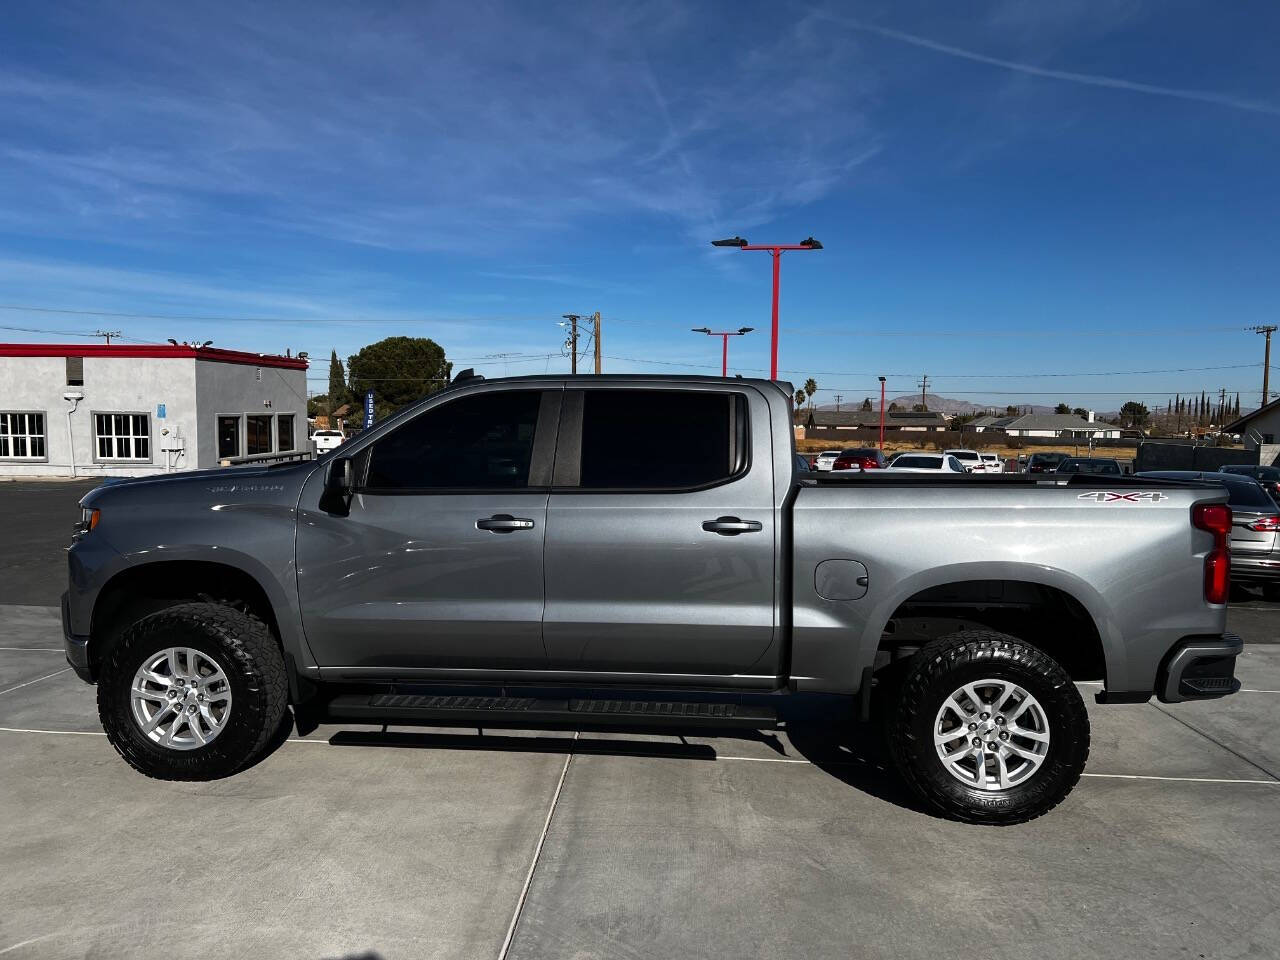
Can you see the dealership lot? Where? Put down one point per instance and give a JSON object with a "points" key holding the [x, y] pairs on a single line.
{"points": [[460, 843]]}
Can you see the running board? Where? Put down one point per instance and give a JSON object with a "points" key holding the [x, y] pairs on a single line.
{"points": [[403, 708]]}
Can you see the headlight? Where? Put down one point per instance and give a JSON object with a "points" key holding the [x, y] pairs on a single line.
{"points": [[88, 520]]}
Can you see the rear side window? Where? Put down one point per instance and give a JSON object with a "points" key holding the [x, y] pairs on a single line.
{"points": [[1247, 495], [660, 440], [930, 463], [480, 442], [966, 455]]}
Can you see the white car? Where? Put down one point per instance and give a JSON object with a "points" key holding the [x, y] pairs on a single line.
{"points": [[326, 440], [993, 462], [826, 460], [920, 461], [971, 460]]}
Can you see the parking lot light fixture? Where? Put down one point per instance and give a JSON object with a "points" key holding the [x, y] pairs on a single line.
{"points": [[775, 250], [724, 336], [882, 413]]}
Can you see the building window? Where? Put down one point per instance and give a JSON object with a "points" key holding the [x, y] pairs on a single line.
{"points": [[122, 436], [284, 432], [228, 437], [257, 434], [22, 436], [75, 371]]}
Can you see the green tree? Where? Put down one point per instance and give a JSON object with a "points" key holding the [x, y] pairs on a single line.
{"points": [[399, 370], [1062, 408], [1011, 411], [338, 394], [800, 399], [866, 405], [810, 388], [1081, 412], [893, 407], [1134, 414], [920, 408]]}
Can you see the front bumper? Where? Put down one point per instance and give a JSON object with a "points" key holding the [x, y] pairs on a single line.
{"points": [[1199, 668], [76, 647]]}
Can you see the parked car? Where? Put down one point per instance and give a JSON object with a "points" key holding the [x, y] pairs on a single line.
{"points": [[826, 459], [859, 458], [921, 461], [802, 464], [1255, 527], [1044, 462], [971, 460], [993, 462], [326, 440], [1269, 477], [1103, 466], [385, 583]]}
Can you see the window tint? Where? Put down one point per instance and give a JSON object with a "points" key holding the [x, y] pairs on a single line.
{"points": [[955, 464], [1247, 495], [477, 442], [965, 455], [655, 439], [927, 462]]}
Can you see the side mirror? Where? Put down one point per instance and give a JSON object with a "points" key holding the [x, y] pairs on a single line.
{"points": [[339, 482]]}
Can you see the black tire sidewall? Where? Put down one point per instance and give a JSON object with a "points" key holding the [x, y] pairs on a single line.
{"points": [[928, 687], [237, 741]]}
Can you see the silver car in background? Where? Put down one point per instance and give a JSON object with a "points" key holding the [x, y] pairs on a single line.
{"points": [[1255, 527], [826, 460]]}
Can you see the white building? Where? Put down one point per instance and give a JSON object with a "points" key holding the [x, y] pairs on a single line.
{"points": [[1260, 430], [1065, 426], [72, 410]]}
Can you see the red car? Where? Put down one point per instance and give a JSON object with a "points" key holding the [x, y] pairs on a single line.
{"points": [[861, 458]]}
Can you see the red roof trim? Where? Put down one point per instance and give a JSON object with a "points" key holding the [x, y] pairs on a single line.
{"points": [[150, 351]]}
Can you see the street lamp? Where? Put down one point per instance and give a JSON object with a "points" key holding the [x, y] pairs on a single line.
{"points": [[724, 336], [882, 413], [775, 250]]}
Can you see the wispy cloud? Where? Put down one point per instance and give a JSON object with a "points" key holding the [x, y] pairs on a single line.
{"points": [[1088, 79]]}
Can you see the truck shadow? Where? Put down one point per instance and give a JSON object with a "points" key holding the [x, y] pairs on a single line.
{"points": [[844, 752]]}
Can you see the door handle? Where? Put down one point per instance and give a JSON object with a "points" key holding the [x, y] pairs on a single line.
{"points": [[731, 526], [504, 523]]}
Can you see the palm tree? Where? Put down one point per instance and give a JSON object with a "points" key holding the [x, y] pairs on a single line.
{"points": [[810, 388]]}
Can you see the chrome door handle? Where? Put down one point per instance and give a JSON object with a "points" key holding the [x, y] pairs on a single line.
{"points": [[731, 526], [504, 523]]}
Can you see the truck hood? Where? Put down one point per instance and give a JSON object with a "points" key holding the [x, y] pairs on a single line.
{"points": [[203, 486]]}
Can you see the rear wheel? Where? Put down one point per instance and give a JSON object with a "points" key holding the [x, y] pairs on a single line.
{"points": [[988, 729], [193, 692]]}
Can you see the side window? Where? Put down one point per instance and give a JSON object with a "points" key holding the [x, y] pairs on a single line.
{"points": [[955, 464], [484, 441], [661, 439]]}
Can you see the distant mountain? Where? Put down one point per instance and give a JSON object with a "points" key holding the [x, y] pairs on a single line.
{"points": [[939, 404]]}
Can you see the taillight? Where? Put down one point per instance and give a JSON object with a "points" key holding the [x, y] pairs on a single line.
{"points": [[870, 464], [1216, 519], [1266, 524]]}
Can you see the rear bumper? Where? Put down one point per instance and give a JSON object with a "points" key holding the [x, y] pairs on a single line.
{"points": [[76, 647], [1199, 668]]}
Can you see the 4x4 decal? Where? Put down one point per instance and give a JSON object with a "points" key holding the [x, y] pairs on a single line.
{"points": [[1138, 496]]}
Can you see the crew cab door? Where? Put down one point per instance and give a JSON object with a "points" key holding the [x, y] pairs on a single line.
{"points": [[438, 563], [660, 534]]}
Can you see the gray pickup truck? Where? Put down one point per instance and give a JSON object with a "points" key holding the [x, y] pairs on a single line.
{"points": [[643, 552]]}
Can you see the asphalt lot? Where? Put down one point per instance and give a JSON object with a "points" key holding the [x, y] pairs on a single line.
{"points": [[457, 843]]}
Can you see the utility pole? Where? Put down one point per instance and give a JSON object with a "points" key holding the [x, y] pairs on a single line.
{"points": [[924, 386], [595, 324], [1222, 406], [1266, 362], [838, 398], [572, 343], [108, 334]]}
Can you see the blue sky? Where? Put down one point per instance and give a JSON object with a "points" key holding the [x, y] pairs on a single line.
{"points": [[1005, 191]]}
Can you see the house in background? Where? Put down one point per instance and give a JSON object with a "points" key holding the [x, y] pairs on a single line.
{"points": [[115, 410], [896, 420], [1063, 426]]}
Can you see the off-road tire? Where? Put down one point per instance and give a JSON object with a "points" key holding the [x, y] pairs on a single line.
{"points": [[940, 668], [255, 669]]}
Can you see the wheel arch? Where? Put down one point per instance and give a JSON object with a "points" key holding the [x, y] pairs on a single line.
{"points": [[1007, 597]]}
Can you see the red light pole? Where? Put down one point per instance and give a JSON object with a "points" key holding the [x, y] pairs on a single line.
{"points": [[882, 413], [775, 250], [724, 336]]}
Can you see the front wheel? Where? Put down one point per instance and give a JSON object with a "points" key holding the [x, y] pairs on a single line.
{"points": [[988, 729], [193, 692]]}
